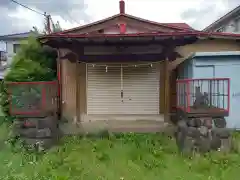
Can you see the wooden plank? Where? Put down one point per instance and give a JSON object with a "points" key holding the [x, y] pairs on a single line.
{"points": [[162, 87], [166, 92], [77, 93], [59, 74], [121, 57]]}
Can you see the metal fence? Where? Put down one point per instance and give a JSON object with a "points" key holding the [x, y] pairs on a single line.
{"points": [[33, 98], [212, 93]]}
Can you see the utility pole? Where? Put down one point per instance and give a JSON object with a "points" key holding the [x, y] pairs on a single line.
{"points": [[48, 19]]}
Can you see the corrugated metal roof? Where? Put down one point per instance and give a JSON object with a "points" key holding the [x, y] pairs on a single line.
{"points": [[17, 35], [166, 34], [180, 25]]}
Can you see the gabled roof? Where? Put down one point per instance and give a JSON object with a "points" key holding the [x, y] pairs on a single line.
{"points": [[17, 36], [173, 29], [197, 34], [175, 26], [229, 15], [180, 25]]}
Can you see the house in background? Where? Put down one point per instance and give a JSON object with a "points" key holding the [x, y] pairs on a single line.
{"points": [[3, 63], [229, 23], [12, 44], [120, 72]]}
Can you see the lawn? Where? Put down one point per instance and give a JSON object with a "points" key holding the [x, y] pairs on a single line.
{"points": [[128, 157]]}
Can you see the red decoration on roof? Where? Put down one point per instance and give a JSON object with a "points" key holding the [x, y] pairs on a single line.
{"points": [[122, 27], [122, 6]]}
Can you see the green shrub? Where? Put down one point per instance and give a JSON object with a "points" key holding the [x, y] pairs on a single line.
{"points": [[32, 63]]}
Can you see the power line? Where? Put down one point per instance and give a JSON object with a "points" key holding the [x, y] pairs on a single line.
{"points": [[44, 14]]}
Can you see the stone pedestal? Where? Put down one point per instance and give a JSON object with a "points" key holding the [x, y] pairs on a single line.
{"points": [[202, 135], [37, 133]]}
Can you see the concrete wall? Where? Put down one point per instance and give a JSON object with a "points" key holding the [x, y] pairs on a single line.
{"points": [[221, 66], [185, 70]]}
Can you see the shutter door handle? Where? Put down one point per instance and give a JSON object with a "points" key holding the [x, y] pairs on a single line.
{"points": [[122, 94]]}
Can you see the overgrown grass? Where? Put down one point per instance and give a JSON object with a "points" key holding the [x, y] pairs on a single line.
{"points": [[129, 157]]}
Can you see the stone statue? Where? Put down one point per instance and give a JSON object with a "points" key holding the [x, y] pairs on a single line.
{"points": [[201, 98]]}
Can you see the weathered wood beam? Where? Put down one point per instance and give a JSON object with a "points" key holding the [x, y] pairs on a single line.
{"points": [[121, 57], [204, 45], [166, 91], [81, 50], [65, 42], [59, 75], [170, 55]]}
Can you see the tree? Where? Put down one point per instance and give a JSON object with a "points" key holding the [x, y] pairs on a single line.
{"points": [[55, 27], [32, 63], [35, 30]]}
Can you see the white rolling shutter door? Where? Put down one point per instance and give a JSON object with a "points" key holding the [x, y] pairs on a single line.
{"points": [[103, 90], [141, 90]]}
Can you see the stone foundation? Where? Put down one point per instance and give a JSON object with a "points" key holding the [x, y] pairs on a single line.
{"points": [[203, 135], [37, 133]]}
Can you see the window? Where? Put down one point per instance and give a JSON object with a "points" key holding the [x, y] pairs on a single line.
{"points": [[3, 58], [16, 48]]}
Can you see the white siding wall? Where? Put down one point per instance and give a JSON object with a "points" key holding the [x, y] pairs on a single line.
{"points": [[9, 49], [232, 26], [10, 55]]}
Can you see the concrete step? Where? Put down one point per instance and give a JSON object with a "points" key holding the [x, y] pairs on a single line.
{"points": [[116, 126]]}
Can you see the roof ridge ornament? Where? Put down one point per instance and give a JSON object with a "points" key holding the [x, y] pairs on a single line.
{"points": [[122, 6]]}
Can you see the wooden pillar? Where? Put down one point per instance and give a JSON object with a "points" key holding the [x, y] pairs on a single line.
{"points": [[166, 90], [76, 52], [59, 77], [77, 92]]}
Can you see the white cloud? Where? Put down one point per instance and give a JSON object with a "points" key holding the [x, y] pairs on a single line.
{"points": [[30, 18], [164, 11], [156, 10]]}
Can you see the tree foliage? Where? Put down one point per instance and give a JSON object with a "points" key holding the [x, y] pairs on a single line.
{"points": [[32, 63], [56, 27]]}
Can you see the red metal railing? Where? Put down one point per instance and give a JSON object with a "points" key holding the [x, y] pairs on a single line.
{"points": [[32, 98], [213, 92]]}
